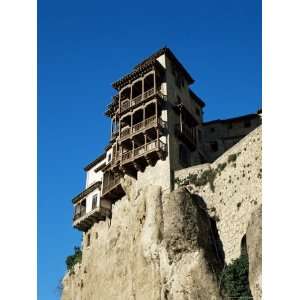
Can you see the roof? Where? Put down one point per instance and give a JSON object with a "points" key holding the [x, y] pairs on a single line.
{"points": [[235, 119], [151, 60], [196, 98], [84, 193], [95, 162]]}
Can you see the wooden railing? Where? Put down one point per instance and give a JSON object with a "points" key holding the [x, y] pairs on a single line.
{"points": [[80, 213], [126, 131], [144, 149], [145, 124], [127, 155], [110, 183], [115, 158], [136, 100], [138, 126], [127, 103], [148, 93]]}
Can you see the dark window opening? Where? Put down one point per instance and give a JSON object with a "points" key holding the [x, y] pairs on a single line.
{"points": [[94, 201], [212, 129], [184, 155], [230, 126], [88, 240], [197, 110], [96, 235], [214, 146]]}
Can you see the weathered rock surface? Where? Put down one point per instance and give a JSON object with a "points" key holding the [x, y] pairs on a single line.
{"points": [[236, 193], [158, 246], [254, 249], [170, 246]]}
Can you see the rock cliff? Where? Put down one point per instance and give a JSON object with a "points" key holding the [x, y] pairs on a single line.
{"points": [[172, 246]]}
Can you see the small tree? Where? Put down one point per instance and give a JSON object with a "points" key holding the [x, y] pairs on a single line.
{"points": [[72, 260], [234, 279]]}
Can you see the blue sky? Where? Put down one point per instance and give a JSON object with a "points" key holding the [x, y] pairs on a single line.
{"points": [[83, 46]]}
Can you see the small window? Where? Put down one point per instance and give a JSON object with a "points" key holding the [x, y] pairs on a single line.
{"points": [[247, 123], [197, 110], [184, 155], [94, 201], [214, 146], [96, 235], [229, 126], [212, 129], [109, 157], [88, 239]]}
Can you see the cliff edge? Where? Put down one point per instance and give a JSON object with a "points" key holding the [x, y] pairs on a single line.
{"points": [[173, 246]]}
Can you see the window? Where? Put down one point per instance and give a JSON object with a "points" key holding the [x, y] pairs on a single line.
{"points": [[212, 129], [229, 126], [247, 123], [96, 235], [88, 239], [94, 201], [197, 110], [184, 155], [214, 146], [109, 157], [77, 212]]}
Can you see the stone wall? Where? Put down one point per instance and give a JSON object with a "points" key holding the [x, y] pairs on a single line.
{"points": [[237, 190]]}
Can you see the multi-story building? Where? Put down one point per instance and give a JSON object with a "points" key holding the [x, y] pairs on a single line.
{"points": [[220, 135], [156, 129]]}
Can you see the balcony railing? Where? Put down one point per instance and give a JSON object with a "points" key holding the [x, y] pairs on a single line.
{"points": [[145, 124], [115, 158], [80, 213], [142, 150], [84, 220], [124, 132], [110, 183], [125, 104]]}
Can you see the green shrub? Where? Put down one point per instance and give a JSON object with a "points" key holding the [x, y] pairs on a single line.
{"points": [[234, 279], [72, 260]]}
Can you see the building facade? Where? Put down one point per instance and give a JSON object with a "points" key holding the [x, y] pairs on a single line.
{"points": [[156, 129]]}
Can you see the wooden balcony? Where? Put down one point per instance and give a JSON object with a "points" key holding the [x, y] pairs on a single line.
{"points": [[83, 221], [127, 103], [145, 151], [187, 135], [112, 188], [152, 121]]}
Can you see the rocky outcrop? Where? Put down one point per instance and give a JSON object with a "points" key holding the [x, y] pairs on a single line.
{"points": [[235, 191], [171, 246], [158, 246], [254, 249]]}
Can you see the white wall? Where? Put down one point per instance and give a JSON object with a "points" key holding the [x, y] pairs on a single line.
{"points": [[92, 176]]}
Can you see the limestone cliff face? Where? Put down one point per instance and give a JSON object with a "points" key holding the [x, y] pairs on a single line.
{"points": [[254, 249], [170, 246], [236, 193], [158, 246]]}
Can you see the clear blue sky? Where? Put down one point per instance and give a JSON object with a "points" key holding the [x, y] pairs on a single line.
{"points": [[83, 46]]}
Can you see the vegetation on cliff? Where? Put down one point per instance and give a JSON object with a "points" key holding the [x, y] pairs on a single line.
{"points": [[72, 260], [234, 279]]}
